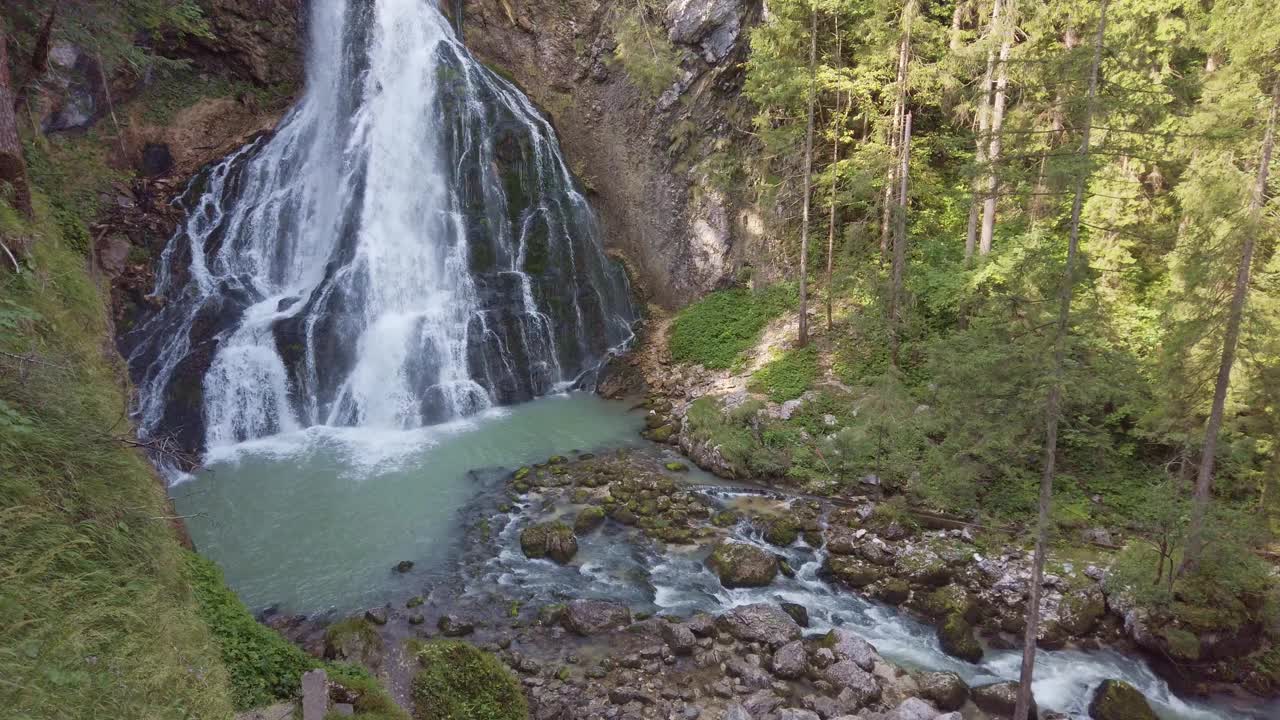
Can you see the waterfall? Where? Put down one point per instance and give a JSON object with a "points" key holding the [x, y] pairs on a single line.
{"points": [[407, 247]]}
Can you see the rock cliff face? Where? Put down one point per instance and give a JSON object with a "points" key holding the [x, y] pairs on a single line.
{"points": [[648, 160]]}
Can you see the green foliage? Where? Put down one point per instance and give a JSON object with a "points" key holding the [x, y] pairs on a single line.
{"points": [[461, 682], [716, 330], [179, 88], [788, 375], [644, 51], [264, 667], [96, 616], [75, 174]]}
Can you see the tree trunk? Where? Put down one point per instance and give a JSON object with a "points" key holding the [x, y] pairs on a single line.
{"points": [[993, 149], [900, 243], [13, 168], [895, 132], [1204, 479], [957, 22], [835, 159], [802, 337], [980, 147], [1053, 405], [39, 64]]}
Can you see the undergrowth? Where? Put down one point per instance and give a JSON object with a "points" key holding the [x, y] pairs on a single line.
{"points": [[461, 682], [787, 376], [96, 618], [644, 51], [718, 329]]}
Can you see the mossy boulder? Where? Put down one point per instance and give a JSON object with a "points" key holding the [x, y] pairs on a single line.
{"points": [[353, 640], [677, 467], [1118, 700], [460, 682], [553, 540], [892, 590], [1181, 644], [587, 520], [781, 532], [852, 571], [1000, 700], [948, 600], [661, 434], [520, 474], [741, 565], [956, 637], [725, 519], [946, 690], [1080, 611]]}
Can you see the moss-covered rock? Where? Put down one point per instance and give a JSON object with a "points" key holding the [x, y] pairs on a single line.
{"points": [[1118, 700], [947, 600], [661, 434], [587, 520], [677, 467], [1181, 644], [353, 640], [781, 531], [741, 565], [956, 637], [853, 572], [521, 474], [892, 590], [725, 519], [1080, 611], [553, 540], [460, 682]]}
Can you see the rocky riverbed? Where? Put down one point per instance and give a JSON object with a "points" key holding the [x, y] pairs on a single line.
{"points": [[625, 585]]}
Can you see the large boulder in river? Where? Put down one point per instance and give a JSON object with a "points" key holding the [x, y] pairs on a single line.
{"points": [[741, 565], [844, 645], [553, 540], [1118, 700], [946, 690], [1000, 699], [760, 622], [590, 617], [956, 637]]}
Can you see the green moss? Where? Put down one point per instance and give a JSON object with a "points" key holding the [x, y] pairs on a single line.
{"points": [[1183, 645], [460, 682], [677, 467], [587, 520], [371, 700], [717, 329], [787, 376], [1118, 700], [648, 57], [781, 531]]}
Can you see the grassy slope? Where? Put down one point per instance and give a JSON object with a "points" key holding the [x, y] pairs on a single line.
{"points": [[96, 617]]}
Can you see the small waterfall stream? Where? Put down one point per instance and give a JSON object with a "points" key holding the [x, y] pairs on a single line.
{"points": [[408, 247]]}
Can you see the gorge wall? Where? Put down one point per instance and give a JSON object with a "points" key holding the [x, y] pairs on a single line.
{"points": [[648, 158]]}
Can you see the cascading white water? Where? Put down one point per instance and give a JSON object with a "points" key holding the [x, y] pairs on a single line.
{"points": [[407, 247]]}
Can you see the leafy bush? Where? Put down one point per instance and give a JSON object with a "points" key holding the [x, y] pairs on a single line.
{"points": [[460, 682], [264, 667], [716, 330], [787, 376]]}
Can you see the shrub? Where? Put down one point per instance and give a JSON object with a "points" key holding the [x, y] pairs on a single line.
{"points": [[264, 667], [787, 376], [717, 329], [644, 51], [460, 682]]}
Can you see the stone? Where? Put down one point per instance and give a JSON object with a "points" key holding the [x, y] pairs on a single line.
{"points": [[1099, 535], [846, 674], [1118, 700], [315, 694], [760, 622], [956, 637], [892, 590], [844, 645], [912, 709], [702, 624], [948, 600], [679, 637], [377, 616], [416, 619], [798, 612], [714, 24], [854, 572], [1000, 699], [791, 660], [748, 673], [1079, 612], [156, 160], [451, 625], [591, 617], [796, 714], [761, 702], [553, 540], [946, 690], [781, 532], [344, 709], [589, 519], [740, 565], [735, 711]]}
